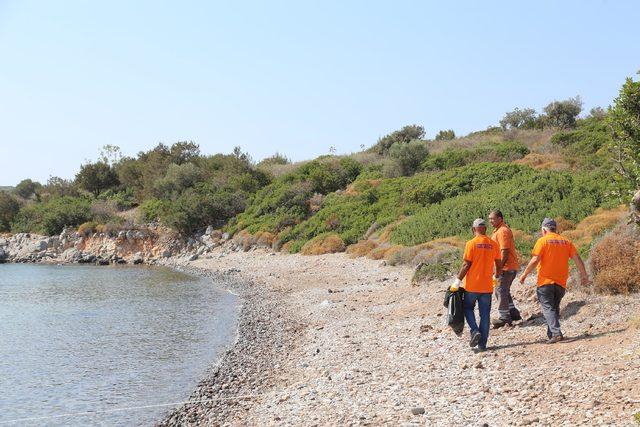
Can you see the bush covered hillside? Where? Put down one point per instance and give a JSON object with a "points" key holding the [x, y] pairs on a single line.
{"points": [[405, 199]]}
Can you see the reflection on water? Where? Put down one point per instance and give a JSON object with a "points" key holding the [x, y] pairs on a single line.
{"points": [[76, 338]]}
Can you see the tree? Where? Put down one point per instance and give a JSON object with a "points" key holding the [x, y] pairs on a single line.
{"points": [[27, 188], [184, 151], [445, 135], [96, 177], [527, 118], [59, 187], [598, 113], [409, 156], [404, 135], [563, 114], [110, 154], [624, 120], [177, 180], [9, 208], [276, 159]]}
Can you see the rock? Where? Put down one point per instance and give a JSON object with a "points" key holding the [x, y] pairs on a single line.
{"points": [[418, 410], [209, 230], [40, 246], [137, 258], [225, 236], [87, 259], [102, 261], [130, 235], [166, 253], [193, 257]]}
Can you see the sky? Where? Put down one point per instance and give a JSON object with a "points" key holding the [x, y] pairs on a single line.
{"points": [[295, 77]]}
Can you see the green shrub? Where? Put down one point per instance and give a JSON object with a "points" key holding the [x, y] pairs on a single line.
{"points": [[384, 201], [27, 188], [408, 156], [178, 178], [197, 208], [96, 177], [153, 209], [403, 136], [485, 152], [51, 217], [9, 208], [445, 135], [526, 198]]}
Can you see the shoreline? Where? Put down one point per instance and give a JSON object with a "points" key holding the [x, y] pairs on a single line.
{"points": [[335, 340], [328, 339], [245, 367]]}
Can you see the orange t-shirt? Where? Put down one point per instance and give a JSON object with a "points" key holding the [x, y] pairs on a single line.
{"points": [[554, 252], [482, 252], [504, 237]]}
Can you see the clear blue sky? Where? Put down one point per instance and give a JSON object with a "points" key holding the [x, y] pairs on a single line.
{"points": [[295, 77]]}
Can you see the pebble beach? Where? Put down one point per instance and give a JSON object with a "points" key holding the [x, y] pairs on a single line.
{"points": [[330, 340]]}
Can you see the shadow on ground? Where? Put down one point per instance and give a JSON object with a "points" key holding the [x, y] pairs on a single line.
{"points": [[565, 341]]}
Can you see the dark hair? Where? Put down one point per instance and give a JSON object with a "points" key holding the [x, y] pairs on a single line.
{"points": [[497, 213]]}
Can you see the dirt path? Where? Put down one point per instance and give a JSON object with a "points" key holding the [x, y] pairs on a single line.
{"points": [[373, 350]]}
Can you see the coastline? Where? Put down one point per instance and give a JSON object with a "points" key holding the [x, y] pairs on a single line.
{"points": [[332, 340], [247, 365]]}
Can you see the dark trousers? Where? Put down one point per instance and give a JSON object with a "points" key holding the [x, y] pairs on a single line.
{"points": [[506, 308], [484, 306], [550, 297]]}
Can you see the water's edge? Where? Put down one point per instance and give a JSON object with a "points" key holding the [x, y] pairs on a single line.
{"points": [[247, 368]]}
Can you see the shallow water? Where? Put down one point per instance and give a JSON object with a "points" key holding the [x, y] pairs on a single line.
{"points": [[77, 339]]}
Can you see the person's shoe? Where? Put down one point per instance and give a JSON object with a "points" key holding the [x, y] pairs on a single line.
{"points": [[475, 339], [515, 315], [481, 349], [499, 323], [554, 339]]}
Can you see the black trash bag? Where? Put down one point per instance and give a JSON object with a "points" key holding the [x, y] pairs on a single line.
{"points": [[453, 302]]}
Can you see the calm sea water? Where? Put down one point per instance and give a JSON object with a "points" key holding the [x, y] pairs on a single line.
{"points": [[76, 339]]}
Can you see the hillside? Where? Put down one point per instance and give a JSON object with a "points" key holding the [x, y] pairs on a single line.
{"points": [[406, 199]]}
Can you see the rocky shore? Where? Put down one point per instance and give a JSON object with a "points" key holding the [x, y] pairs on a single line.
{"points": [[329, 340]]}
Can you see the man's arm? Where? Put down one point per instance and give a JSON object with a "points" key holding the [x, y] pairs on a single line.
{"points": [[584, 278], [501, 263], [466, 265], [532, 264]]}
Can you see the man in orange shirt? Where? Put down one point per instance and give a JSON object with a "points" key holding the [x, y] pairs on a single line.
{"points": [[480, 255], [509, 266], [551, 255]]}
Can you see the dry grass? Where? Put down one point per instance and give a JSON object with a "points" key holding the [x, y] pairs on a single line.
{"points": [[381, 251], [320, 245], [615, 261], [565, 225], [543, 161], [362, 248], [264, 239], [404, 255], [385, 233], [594, 225]]}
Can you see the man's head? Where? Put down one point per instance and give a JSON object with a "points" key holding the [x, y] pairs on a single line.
{"points": [[549, 226], [495, 218], [479, 226]]}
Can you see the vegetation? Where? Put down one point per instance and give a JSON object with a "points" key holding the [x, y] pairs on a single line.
{"points": [[445, 135], [406, 199]]}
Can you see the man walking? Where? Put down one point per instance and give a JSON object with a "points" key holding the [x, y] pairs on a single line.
{"points": [[551, 255], [480, 255], [505, 274]]}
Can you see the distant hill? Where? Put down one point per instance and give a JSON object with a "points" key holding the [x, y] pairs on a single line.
{"points": [[8, 189]]}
